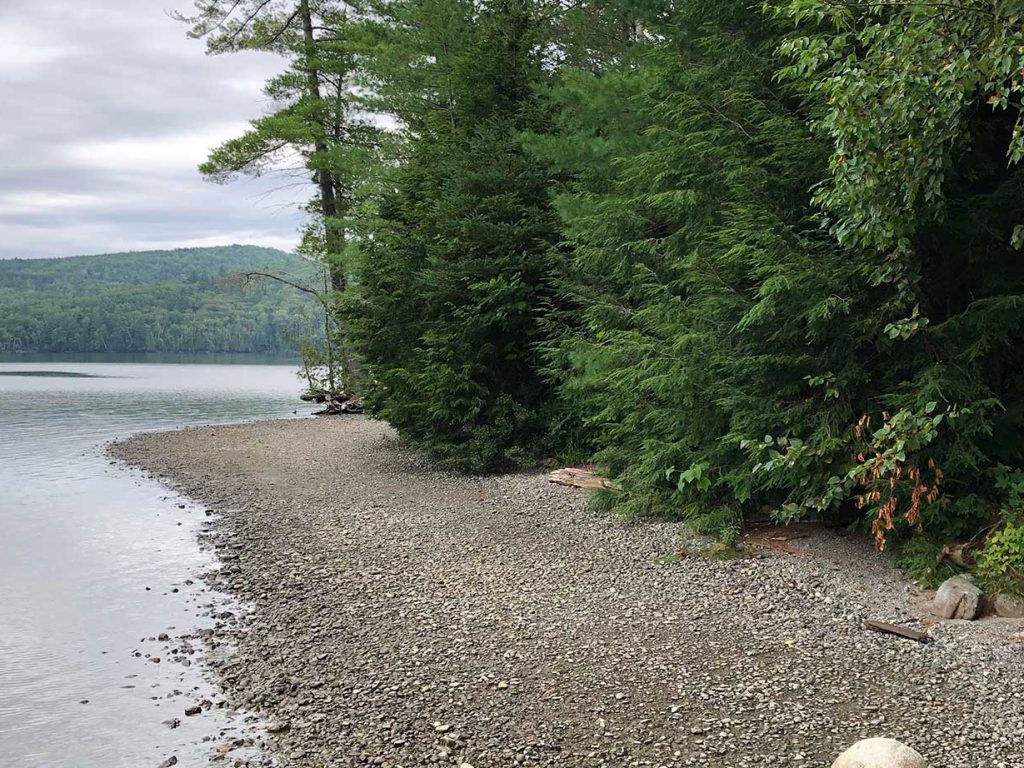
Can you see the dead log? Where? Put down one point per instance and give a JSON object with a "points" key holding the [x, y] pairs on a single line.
{"points": [[355, 405], [960, 553]]}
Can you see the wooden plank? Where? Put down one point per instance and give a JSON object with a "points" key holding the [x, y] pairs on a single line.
{"points": [[892, 629]]}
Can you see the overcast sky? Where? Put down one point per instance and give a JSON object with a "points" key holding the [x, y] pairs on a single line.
{"points": [[107, 107]]}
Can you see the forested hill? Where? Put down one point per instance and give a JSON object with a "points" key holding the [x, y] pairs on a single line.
{"points": [[186, 300]]}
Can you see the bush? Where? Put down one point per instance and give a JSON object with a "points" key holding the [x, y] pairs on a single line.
{"points": [[1001, 563]]}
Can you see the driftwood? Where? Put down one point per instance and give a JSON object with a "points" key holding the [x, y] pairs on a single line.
{"points": [[776, 537], [575, 477], [335, 405], [958, 552], [892, 629]]}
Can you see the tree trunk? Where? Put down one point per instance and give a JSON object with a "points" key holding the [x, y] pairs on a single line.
{"points": [[334, 236]]}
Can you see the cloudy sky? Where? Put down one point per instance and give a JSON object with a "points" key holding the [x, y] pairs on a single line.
{"points": [[107, 109]]}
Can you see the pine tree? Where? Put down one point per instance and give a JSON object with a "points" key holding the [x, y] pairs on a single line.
{"points": [[316, 118]]}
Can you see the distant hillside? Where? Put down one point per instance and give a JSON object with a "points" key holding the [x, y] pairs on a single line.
{"points": [[156, 301]]}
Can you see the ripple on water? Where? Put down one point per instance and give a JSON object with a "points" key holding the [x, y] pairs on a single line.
{"points": [[81, 543]]}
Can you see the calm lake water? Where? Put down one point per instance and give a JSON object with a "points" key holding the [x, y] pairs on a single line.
{"points": [[80, 543]]}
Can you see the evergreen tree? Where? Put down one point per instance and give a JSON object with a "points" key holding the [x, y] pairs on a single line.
{"points": [[316, 116], [455, 280], [712, 313]]}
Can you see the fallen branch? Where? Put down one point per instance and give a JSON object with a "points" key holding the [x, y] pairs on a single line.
{"points": [[892, 629], [335, 405]]}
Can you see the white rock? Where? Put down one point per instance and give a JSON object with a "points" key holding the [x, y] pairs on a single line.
{"points": [[1008, 605], [958, 598], [880, 753]]}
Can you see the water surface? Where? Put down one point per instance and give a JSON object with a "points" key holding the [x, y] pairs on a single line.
{"points": [[81, 540]]}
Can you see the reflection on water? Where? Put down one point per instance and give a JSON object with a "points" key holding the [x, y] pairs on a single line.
{"points": [[80, 543]]}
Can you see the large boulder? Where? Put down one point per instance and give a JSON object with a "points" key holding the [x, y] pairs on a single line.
{"points": [[880, 753], [958, 598], [1008, 605]]}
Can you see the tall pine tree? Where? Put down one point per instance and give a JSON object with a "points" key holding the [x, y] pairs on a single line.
{"points": [[316, 118]]}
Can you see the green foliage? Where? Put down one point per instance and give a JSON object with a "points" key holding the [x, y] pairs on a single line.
{"points": [[921, 104], [455, 276], [704, 303], [602, 500], [896, 81], [721, 522], [747, 258], [726, 350], [188, 300], [920, 557], [1001, 562]]}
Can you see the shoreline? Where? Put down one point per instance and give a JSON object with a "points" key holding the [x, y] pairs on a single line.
{"points": [[403, 616]]}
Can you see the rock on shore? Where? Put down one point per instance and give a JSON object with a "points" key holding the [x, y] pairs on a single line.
{"points": [[880, 753], [958, 598], [403, 616]]}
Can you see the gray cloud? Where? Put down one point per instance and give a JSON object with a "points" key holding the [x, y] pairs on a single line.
{"points": [[106, 109]]}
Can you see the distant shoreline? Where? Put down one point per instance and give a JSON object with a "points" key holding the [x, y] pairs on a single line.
{"points": [[401, 612], [224, 358], [54, 374], [192, 301]]}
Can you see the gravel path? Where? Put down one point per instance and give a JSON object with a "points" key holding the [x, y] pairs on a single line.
{"points": [[403, 616]]}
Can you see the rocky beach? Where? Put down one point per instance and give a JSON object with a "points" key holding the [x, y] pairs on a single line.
{"points": [[401, 616]]}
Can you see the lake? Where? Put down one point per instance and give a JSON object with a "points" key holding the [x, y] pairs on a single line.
{"points": [[95, 560]]}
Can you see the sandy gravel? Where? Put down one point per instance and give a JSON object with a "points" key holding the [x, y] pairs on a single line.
{"points": [[403, 616]]}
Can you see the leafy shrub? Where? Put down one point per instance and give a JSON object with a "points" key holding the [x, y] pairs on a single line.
{"points": [[920, 557], [1001, 562]]}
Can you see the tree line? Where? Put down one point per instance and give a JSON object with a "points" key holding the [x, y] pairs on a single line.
{"points": [[188, 300], [749, 258]]}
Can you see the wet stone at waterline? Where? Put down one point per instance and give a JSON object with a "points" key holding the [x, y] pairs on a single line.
{"points": [[84, 539]]}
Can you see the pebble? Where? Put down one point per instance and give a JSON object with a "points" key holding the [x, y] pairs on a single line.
{"points": [[389, 598]]}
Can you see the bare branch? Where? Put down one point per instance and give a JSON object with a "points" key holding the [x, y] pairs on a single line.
{"points": [[245, 22], [898, 4], [177, 15], [250, 276], [284, 28]]}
